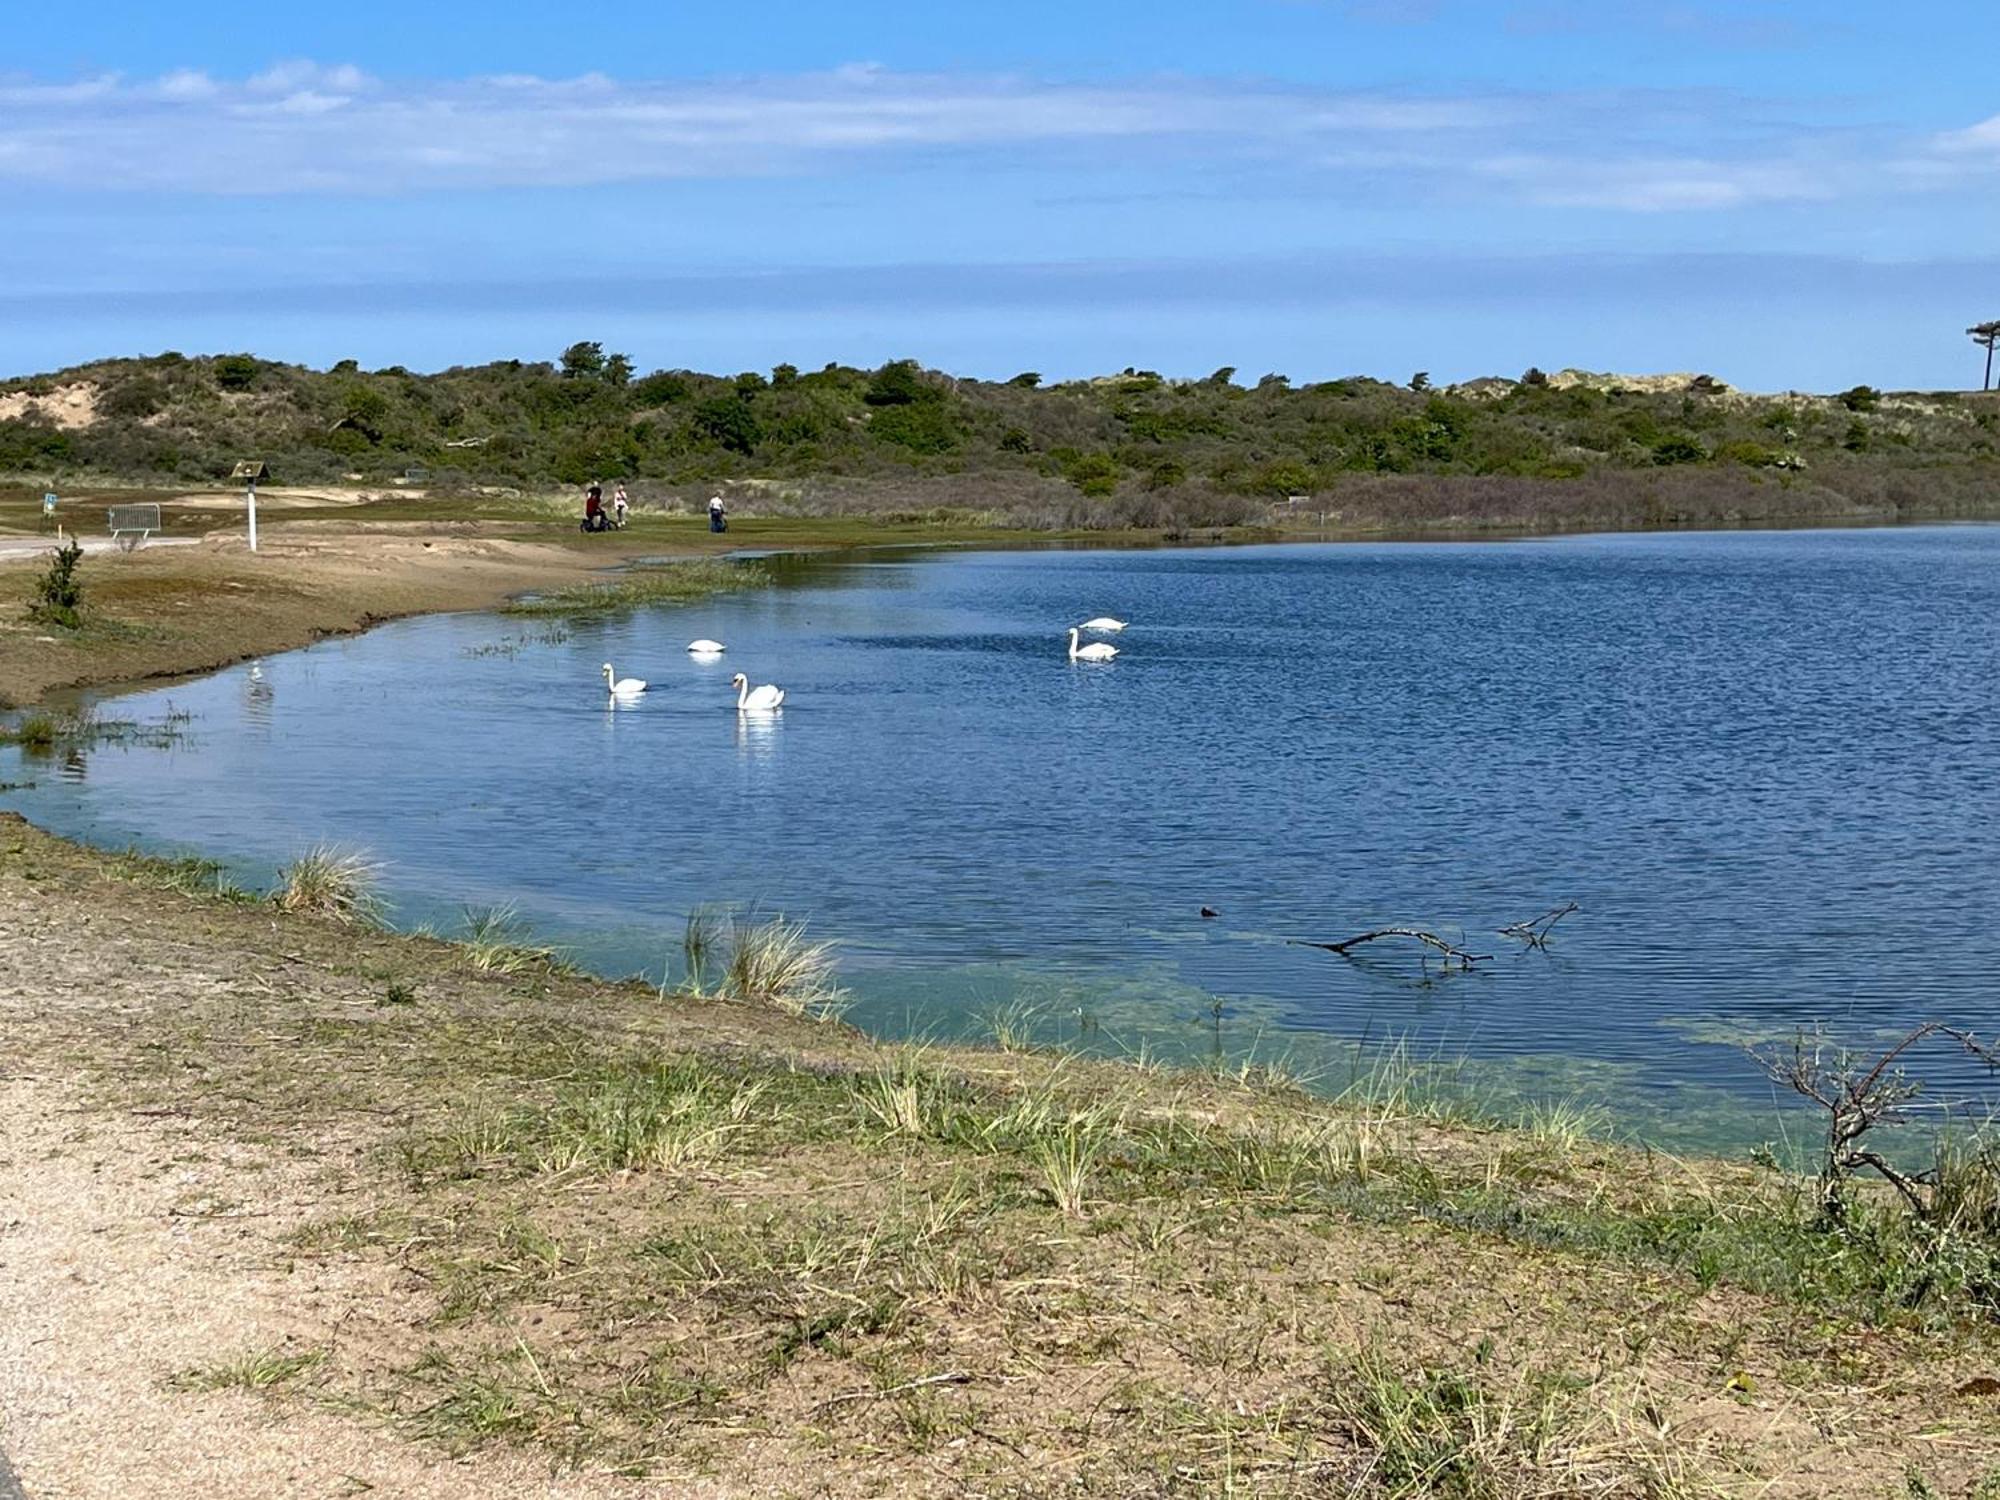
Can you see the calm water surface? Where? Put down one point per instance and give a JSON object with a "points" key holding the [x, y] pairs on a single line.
{"points": [[1764, 764]]}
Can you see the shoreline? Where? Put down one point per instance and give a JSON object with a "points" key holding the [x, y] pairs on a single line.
{"points": [[306, 586], [293, 1199]]}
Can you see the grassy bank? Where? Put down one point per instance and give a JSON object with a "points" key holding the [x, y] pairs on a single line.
{"points": [[688, 1240]]}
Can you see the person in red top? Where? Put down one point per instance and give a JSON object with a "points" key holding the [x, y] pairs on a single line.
{"points": [[593, 508]]}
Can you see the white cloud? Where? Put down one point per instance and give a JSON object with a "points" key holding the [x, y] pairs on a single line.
{"points": [[302, 126], [185, 83], [1974, 140]]}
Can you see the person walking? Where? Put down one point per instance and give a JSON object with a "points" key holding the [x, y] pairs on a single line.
{"points": [[717, 521], [618, 505]]}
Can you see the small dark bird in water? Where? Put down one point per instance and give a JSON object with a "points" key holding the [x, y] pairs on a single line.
{"points": [[1208, 911]]}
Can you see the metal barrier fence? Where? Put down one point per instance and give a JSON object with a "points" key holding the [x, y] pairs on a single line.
{"points": [[132, 524]]}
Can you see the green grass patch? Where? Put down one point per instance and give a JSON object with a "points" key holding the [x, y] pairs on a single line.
{"points": [[671, 583]]}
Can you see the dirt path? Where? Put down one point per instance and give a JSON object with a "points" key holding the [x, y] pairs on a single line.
{"points": [[127, 1259]]}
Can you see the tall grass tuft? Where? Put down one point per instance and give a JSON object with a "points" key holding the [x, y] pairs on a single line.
{"points": [[774, 963], [1063, 1158], [330, 883], [701, 943], [497, 941]]}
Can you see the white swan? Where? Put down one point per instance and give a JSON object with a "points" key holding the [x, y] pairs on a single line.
{"points": [[622, 687], [1095, 651], [706, 647], [751, 700], [1104, 622]]}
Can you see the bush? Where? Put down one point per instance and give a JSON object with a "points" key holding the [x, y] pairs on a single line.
{"points": [[59, 592], [1678, 449], [1094, 474], [898, 383], [1861, 398], [729, 422], [236, 372], [923, 428]]}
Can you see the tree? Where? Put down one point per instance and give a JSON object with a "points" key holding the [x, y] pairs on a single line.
{"points": [[1986, 335], [583, 360], [1027, 380], [1860, 398], [1421, 381], [235, 372], [729, 422], [1534, 376], [897, 383], [617, 369], [783, 375], [661, 388], [1222, 376]]}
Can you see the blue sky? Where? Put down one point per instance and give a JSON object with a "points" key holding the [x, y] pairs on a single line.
{"points": [[1786, 194]]}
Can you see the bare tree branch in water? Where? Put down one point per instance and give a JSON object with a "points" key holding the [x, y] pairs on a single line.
{"points": [[1535, 931], [1453, 954]]}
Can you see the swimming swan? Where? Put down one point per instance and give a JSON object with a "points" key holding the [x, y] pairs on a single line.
{"points": [[705, 647], [1095, 651], [751, 700], [1104, 622], [622, 687]]}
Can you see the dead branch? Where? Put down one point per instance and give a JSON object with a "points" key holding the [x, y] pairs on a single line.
{"points": [[1535, 931], [1453, 954], [1856, 1096]]}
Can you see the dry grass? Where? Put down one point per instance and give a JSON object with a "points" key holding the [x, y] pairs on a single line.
{"points": [[333, 884], [774, 963], [712, 1244]]}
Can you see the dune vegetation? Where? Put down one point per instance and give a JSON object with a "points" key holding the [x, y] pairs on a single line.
{"points": [[1135, 449]]}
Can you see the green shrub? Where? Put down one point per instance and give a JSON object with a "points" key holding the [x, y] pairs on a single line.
{"points": [[1678, 449], [1095, 474], [898, 383], [58, 596], [925, 427], [729, 422], [236, 372]]}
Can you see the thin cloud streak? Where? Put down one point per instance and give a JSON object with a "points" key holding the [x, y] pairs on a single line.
{"points": [[1320, 281], [306, 128]]}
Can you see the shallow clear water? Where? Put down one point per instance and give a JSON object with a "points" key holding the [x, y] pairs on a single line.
{"points": [[1764, 764]]}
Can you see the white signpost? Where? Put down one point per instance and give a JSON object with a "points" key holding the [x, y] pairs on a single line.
{"points": [[250, 471]]}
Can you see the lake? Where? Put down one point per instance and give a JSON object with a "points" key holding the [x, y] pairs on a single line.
{"points": [[1763, 764]]}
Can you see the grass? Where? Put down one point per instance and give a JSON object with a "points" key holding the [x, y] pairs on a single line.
{"points": [[773, 963], [641, 1231], [330, 883], [671, 583], [701, 943], [497, 941], [44, 732], [260, 1370]]}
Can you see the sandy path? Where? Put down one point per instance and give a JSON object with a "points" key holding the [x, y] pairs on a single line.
{"points": [[14, 547], [135, 1247], [124, 1259]]}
